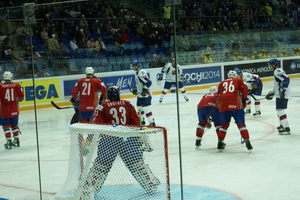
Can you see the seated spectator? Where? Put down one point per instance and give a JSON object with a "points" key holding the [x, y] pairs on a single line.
{"points": [[44, 34], [90, 43], [81, 42], [83, 23], [100, 45], [264, 54], [156, 61], [283, 53], [8, 51], [124, 38], [158, 42], [54, 47], [149, 40], [73, 44], [118, 49], [236, 56], [207, 58]]}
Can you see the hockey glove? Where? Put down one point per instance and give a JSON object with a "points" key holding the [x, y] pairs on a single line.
{"points": [[134, 91], [245, 100], [144, 92], [74, 103], [160, 76], [282, 92], [101, 101], [183, 79], [270, 95]]}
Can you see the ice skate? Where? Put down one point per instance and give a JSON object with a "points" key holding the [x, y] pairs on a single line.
{"points": [[221, 145], [248, 144], [8, 144], [257, 114], [198, 143], [247, 111], [160, 100], [16, 142], [284, 131], [280, 128], [186, 99], [152, 124]]}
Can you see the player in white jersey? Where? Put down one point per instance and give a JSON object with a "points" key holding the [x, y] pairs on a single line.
{"points": [[255, 87], [144, 96], [170, 70], [282, 92]]}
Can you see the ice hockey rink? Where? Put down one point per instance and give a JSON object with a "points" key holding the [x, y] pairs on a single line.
{"points": [[271, 171]]}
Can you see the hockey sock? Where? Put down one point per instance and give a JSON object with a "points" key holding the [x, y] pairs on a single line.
{"points": [[282, 118], [243, 131], [257, 105]]}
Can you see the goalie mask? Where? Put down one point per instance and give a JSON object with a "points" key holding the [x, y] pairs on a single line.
{"points": [[113, 93]]}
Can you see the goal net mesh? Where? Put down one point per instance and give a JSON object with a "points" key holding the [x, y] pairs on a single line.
{"points": [[116, 162]]}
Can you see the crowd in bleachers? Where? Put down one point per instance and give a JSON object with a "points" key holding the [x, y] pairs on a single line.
{"points": [[108, 35]]}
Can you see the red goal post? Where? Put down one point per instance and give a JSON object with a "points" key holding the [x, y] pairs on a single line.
{"points": [[116, 162]]}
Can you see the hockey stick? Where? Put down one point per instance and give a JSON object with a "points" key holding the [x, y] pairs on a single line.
{"points": [[58, 107], [257, 99], [131, 90]]}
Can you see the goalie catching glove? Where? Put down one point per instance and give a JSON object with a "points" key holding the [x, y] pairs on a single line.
{"points": [[270, 95]]}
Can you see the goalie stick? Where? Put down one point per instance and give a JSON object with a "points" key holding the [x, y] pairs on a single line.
{"points": [[58, 107]]}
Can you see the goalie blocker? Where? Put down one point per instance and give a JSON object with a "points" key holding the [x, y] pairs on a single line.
{"points": [[121, 172]]}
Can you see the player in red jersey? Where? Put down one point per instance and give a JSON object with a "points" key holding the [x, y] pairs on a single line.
{"points": [[86, 91], [10, 94], [118, 112], [208, 111], [232, 101]]}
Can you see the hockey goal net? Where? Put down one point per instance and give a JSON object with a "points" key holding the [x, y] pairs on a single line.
{"points": [[116, 162]]}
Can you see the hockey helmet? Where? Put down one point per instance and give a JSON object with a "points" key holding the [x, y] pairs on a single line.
{"points": [[238, 70], [89, 70], [135, 62], [113, 93], [213, 89], [232, 74], [7, 76], [273, 61]]}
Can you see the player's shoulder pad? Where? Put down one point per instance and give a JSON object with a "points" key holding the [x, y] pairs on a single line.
{"points": [[143, 73], [100, 107], [279, 71]]}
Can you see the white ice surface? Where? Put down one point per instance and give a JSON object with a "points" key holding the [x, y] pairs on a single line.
{"points": [[270, 172]]}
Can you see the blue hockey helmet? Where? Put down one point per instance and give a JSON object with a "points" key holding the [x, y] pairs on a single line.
{"points": [[113, 93], [274, 61], [238, 70], [135, 62]]}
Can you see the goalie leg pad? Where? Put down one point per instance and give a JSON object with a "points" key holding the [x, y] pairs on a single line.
{"points": [[144, 176], [95, 178]]}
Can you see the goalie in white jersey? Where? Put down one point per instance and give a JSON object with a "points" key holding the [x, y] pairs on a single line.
{"points": [[255, 87], [170, 70], [282, 92]]}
